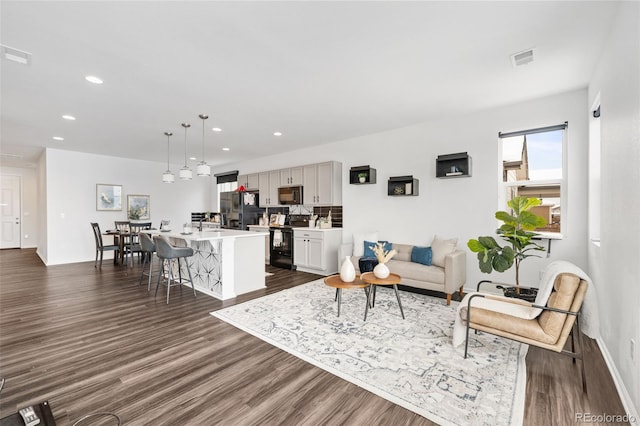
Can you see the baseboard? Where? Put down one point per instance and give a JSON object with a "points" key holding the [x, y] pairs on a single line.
{"points": [[627, 402]]}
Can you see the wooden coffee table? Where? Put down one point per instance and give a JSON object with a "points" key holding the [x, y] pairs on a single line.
{"points": [[392, 280], [335, 282]]}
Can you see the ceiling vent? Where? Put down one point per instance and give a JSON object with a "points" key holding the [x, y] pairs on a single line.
{"points": [[15, 55], [522, 58]]}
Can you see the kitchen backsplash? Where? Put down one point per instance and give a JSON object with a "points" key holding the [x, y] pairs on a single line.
{"points": [[336, 214]]}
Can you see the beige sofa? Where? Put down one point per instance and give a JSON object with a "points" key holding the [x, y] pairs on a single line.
{"points": [[448, 278]]}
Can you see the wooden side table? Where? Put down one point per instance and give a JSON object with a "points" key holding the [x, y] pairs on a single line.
{"points": [[335, 282], [392, 280]]}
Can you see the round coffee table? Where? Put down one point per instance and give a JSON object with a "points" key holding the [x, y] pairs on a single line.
{"points": [[392, 280], [335, 282]]}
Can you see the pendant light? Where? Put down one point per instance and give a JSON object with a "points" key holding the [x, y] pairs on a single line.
{"points": [[203, 169], [168, 177], [185, 172]]}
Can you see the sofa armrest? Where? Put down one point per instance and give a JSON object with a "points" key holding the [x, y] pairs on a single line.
{"points": [[344, 250], [455, 271]]}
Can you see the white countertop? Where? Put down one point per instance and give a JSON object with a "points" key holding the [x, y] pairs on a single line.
{"points": [[210, 234], [303, 229]]}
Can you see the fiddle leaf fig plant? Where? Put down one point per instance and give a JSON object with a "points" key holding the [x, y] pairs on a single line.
{"points": [[516, 231]]}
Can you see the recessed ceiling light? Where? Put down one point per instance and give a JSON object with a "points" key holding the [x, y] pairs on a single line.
{"points": [[69, 117], [192, 158], [58, 138], [226, 149], [217, 129], [93, 79], [277, 133]]}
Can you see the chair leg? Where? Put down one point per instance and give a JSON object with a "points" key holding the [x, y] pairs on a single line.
{"points": [[101, 255], [582, 359], [95, 264], [169, 282]]}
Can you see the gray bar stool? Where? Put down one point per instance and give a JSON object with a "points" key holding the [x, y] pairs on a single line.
{"points": [[148, 248], [166, 252]]}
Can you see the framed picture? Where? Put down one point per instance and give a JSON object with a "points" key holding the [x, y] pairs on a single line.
{"points": [[138, 207], [108, 197]]}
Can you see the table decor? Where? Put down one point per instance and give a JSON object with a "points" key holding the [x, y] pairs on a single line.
{"points": [[381, 270]]}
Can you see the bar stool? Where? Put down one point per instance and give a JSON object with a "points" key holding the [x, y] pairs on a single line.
{"points": [[166, 252], [148, 248]]}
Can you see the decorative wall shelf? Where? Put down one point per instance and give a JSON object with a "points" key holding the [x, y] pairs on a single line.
{"points": [[355, 172], [453, 165], [402, 186]]}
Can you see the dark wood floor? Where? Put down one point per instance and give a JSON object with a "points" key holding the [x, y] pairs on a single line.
{"points": [[93, 340]]}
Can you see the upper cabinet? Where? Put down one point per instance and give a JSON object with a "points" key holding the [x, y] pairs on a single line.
{"points": [[291, 176], [250, 182], [322, 184], [268, 183]]}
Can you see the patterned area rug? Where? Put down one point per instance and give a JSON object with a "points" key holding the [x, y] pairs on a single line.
{"points": [[408, 362]]}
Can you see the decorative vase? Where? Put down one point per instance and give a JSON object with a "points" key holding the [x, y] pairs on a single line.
{"points": [[347, 271], [381, 271]]}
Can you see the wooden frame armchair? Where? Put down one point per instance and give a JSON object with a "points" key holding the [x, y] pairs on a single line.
{"points": [[550, 329]]}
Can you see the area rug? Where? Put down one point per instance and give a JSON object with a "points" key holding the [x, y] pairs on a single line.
{"points": [[409, 362]]}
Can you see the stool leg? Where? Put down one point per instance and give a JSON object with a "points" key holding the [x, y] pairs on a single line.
{"points": [[150, 270], [169, 283], [142, 273], [190, 277], [160, 274]]}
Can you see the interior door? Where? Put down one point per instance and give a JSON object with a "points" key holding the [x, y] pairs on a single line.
{"points": [[10, 211]]}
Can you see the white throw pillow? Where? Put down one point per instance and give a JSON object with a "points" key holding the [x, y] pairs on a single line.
{"points": [[360, 238], [440, 248]]}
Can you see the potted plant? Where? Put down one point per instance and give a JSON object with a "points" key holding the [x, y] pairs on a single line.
{"points": [[516, 231], [362, 177]]}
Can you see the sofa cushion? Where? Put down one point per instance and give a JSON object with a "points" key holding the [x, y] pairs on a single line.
{"points": [[358, 241], [368, 250], [403, 252], [421, 255], [440, 248], [416, 271]]}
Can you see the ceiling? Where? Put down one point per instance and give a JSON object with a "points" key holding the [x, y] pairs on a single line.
{"points": [[318, 72]]}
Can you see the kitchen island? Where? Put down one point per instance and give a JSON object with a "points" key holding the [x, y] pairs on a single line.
{"points": [[225, 262]]}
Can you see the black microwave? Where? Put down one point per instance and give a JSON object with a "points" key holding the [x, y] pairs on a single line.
{"points": [[290, 195]]}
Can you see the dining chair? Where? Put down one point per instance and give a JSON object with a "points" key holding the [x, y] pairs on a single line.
{"points": [[101, 248], [134, 238]]}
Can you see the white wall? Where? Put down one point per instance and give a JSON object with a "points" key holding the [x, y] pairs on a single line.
{"points": [[462, 207], [29, 204], [42, 207], [615, 265], [71, 179]]}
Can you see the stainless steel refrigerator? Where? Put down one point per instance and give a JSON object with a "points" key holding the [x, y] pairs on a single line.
{"points": [[238, 210]]}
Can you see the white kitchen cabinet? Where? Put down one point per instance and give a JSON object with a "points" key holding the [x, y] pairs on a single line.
{"points": [[316, 250], [291, 176], [250, 181], [322, 184], [268, 183]]}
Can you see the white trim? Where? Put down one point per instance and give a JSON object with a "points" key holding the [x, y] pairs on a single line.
{"points": [[627, 402]]}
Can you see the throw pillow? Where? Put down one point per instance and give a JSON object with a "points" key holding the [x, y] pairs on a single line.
{"points": [[421, 255], [368, 251], [359, 239], [440, 248]]}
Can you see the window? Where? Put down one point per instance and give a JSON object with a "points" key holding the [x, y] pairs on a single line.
{"points": [[532, 166]]}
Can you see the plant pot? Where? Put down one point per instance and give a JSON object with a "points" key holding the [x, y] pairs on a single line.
{"points": [[528, 294], [362, 179]]}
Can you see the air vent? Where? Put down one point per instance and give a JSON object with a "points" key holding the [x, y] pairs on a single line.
{"points": [[522, 58], [15, 55]]}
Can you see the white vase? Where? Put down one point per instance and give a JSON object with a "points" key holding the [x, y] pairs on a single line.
{"points": [[347, 271], [381, 271]]}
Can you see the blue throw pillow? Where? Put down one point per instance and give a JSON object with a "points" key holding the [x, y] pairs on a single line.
{"points": [[368, 251], [421, 255]]}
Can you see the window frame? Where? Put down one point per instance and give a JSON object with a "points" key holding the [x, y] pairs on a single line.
{"points": [[502, 185]]}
